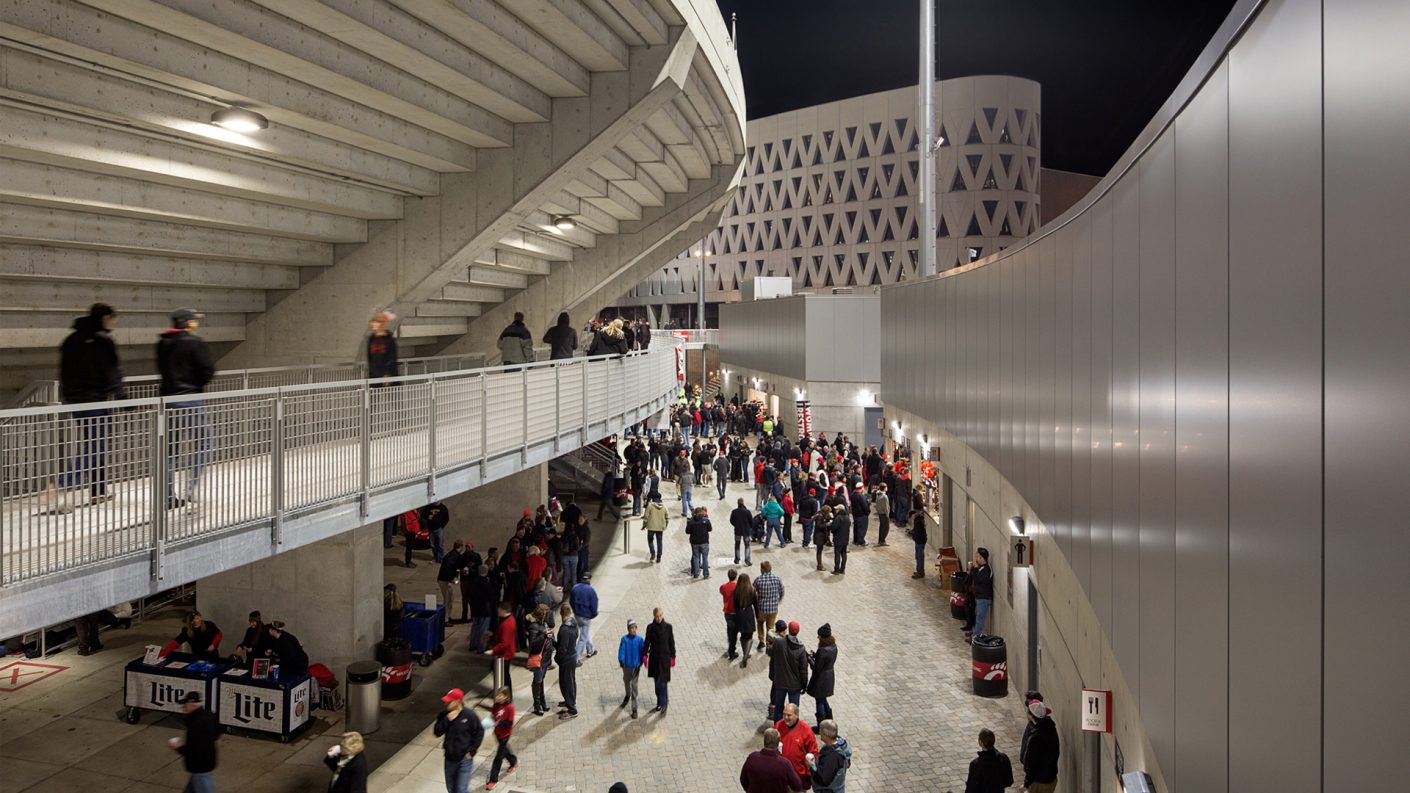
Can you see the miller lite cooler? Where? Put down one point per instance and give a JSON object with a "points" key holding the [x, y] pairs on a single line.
{"points": [[989, 658]]}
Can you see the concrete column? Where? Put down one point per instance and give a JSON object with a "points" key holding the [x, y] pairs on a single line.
{"points": [[487, 514], [329, 593]]}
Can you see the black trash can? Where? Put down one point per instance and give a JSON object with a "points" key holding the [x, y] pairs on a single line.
{"points": [[990, 660], [958, 580], [395, 657]]}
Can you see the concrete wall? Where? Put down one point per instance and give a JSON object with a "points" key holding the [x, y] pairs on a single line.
{"points": [[487, 514], [1183, 385], [827, 338], [837, 407]]}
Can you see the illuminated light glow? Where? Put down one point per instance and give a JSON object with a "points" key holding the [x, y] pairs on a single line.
{"points": [[239, 119]]}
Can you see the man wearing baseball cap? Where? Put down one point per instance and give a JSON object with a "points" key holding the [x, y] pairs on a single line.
{"points": [[186, 367], [1040, 758], [197, 749], [463, 734]]}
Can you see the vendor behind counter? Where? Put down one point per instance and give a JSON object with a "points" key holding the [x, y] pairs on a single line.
{"points": [[203, 637], [285, 647]]}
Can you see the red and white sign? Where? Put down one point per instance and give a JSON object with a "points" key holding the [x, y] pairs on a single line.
{"points": [[17, 675], [805, 418], [1096, 710], [680, 363], [983, 670]]}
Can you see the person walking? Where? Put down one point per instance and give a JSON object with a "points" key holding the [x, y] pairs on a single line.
{"points": [[539, 644], [186, 367], [742, 520], [698, 528], [566, 656], [502, 714], [659, 650], [448, 576], [881, 505], [197, 749], [629, 656], [990, 771], [841, 522], [982, 580], [834, 758], [654, 521], [731, 629], [562, 339], [861, 512], [349, 766], [463, 735], [483, 594], [773, 520], [769, 590], [89, 371], [516, 343], [745, 615], [684, 487], [808, 508], [721, 467], [506, 640], [788, 668], [797, 742], [1040, 759], [766, 771], [823, 680], [920, 537], [583, 600]]}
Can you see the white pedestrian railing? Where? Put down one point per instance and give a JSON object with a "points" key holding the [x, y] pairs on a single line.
{"points": [[86, 484], [708, 336]]}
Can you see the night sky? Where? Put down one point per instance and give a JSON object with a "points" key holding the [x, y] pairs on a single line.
{"points": [[1105, 66]]}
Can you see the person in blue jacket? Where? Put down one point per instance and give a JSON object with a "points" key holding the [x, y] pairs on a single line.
{"points": [[583, 599], [629, 652]]}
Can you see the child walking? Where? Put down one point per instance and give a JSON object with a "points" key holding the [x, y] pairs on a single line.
{"points": [[503, 715]]}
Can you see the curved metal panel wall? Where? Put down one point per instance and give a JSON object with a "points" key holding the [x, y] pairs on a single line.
{"points": [[1195, 380]]}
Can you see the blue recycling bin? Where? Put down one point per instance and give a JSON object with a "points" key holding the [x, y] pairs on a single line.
{"points": [[425, 630]]}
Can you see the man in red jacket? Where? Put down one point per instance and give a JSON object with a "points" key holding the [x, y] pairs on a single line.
{"points": [[765, 771], [505, 645], [798, 741]]}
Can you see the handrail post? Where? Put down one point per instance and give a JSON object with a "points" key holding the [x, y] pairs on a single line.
{"points": [[557, 407], [587, 380], [365, 451], [276, 471], [431, 440], [484, 426], [524, 428], [157, 466]]}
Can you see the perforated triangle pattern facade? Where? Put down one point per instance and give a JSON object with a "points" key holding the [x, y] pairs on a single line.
{"points": [[828, 194]]}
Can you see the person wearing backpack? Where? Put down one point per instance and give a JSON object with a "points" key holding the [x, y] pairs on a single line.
{"points": [[990, 771]]}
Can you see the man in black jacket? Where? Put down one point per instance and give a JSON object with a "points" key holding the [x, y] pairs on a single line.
{"points": [[198, 748], [861, 511], [1040, 760], [89, 371], [186, 367], [990, 771], [565, 655], [562, 339], [743, 522], [463, 734], [982, 580], [788, 669]]}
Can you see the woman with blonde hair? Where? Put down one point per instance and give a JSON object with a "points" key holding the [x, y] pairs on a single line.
{"points": [[610, 340], [349, 766]]}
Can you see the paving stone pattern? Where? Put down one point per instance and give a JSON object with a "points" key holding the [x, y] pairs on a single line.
{"points": [[903, 698]]}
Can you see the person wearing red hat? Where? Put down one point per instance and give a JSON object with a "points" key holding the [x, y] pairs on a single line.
{"points": [[463, 734]]}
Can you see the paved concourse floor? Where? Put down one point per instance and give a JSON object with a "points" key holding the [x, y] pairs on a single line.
{"points": [[903, 696]]}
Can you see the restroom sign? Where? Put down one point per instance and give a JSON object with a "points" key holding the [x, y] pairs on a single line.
{"points": [[1096, 710]]}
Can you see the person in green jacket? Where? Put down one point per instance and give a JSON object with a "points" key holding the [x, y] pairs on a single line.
{"points": [[654, 521], [773, 514]]}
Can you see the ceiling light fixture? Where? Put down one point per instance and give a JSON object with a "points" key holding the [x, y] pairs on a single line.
{"points": [[564, 223], [239, 119]]}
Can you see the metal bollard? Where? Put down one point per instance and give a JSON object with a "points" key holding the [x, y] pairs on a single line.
{"points": [[500, 667]]}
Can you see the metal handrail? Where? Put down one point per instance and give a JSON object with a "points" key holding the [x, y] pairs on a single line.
{"points": [[178, 468], [708, 336]]}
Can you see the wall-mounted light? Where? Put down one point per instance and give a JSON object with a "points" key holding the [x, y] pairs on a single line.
{"points": [[864, 397], [1016, 524], [564, 223], [239, 119]]}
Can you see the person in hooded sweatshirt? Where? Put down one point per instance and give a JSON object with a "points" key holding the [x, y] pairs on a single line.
{"points": [[788, 668], [1040, 759], [834, 758], [516, 343], [990, 771], [561, 339], [382, 358], [186, 367], [89, 371]]}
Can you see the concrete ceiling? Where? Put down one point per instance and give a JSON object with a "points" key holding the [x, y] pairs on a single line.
{"points": [[116, 187]]}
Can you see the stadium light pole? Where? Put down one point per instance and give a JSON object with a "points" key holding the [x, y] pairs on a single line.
{"points": [[925, 190]]}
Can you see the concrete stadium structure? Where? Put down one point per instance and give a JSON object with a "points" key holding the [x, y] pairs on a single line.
{"points": [[417, 157]]}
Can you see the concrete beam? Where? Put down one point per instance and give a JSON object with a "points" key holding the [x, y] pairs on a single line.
{"points": [[645, 190], [121, 46], [78, 296], [67, 228], [466, 292], [588, 215], [63, 188], [65, 141], [483, 276], [666, 172], [421, 327], [615, 165], [74, 264], [48, 327], [540, 245], [617, 203], [596, 278], [397, 37], [642, 18], [436, 308], [575, 30], [486, 27], [512, 261], [54, 83], [243, 30], [578, 236]]}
